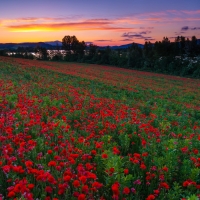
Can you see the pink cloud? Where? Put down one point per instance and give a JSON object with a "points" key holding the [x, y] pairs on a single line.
{"points": [[191, 12]]}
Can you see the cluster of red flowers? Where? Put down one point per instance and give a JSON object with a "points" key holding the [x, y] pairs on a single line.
{"points": [[59, 141]]}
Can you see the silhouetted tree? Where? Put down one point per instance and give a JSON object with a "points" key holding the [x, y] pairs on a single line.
{"points": [[42, 52], [92, 50], [74, 48]]}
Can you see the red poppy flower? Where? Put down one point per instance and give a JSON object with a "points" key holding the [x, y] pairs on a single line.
{"points": [[67, 178], [85, 189], [150, 197], [11, 194], [126, 190], [76, 183], [49, 189], [143, 167], [83, 179], [115, 188], [52, 164], [165, 169], [82, 197], [164, 185], [49, 151], [30, 186], [126, 171], [29, 163], [104, 156]]}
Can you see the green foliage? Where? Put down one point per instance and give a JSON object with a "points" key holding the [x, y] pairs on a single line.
{"points": [[176, 192]]}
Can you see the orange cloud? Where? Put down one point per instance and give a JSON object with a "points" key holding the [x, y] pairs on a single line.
{"points": [[94, 24]]}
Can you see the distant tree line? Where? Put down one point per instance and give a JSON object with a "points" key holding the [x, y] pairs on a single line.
{"points": [[180, 57]]}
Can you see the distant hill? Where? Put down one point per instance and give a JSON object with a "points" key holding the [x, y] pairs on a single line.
{"points": [[55, 44], [124, 46], [25, 44]]}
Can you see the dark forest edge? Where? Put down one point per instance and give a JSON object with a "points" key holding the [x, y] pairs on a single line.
{"points": [[180, 57]]}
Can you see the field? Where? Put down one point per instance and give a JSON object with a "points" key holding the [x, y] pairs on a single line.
{"points": [[89, 132]]}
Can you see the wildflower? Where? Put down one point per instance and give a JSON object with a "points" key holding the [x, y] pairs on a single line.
{"points": [[198, 187], [186, 183], [195, 151], [11, 194], [6, 168], [52, 164], [81, 197], [97, 185], [126, 190], [49, 189], [85, 189], [30, 186], [76, 183], [83, 179], [29, 163], [112, 170], [93, 152], [144, 142], [115, 188], [104, 156], [156, 192], [137, 182], [49, 151], [67, 178], [116, 150], [164, 185], [143, 166], [165, 169], [126, 171], [133, 190], [150, 197], [145, 154], [184, 149]]}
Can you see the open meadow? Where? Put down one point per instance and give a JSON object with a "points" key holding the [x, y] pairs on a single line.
{"points": [[90, 132]]}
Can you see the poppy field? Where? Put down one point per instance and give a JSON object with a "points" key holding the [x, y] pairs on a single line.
{"points": [[89, 132]]}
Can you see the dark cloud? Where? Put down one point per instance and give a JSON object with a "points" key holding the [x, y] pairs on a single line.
{"points": [[127, 39], [103, 40], [174, 37], [148, 38], [131, 35], [179, 33], [186, 28], [195, 28], [145, 32], [147, 28]]}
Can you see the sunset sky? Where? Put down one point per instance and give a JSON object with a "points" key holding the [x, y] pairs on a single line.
{"points": [[105, 22]]}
